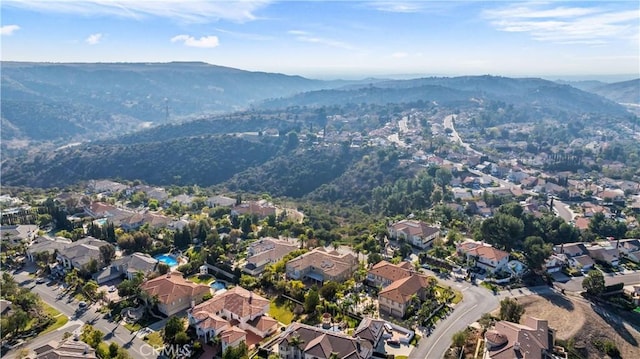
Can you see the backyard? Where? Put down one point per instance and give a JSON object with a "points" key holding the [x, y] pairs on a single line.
{"points": [[281, 310]]}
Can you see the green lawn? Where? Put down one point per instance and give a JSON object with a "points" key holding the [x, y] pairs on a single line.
{"points": [[637, 310], [281, 312], [155, 340], [61, 319], [133, 327], [457, 298], [201, 278]]}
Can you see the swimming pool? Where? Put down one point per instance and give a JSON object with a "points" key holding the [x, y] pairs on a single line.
{"points": [[217, 285], [167, 259]]}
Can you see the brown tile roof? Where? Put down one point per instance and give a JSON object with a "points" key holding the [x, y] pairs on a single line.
{"points": [[173, 286], [526, 341], [236, 300], [370, 329], [67, 349], [401, 290], [391, 271], [271, 249], [331, 263], [319, 343], [210, 321], [482, 250], [232, 335], [415, 228], [263, 323]]}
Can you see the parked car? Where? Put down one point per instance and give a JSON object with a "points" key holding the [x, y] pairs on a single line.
{"points": [[41, 281], [82, 305], [393, 343]]}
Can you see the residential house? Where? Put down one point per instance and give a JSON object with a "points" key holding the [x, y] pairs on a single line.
{"points": [[583, 262], [174, 293], [266, 251], [322, 265], [220, 201], [417, 233], [384, 273], [371, 330], [232, 337], [531, 340], [236, 308], [395, 298], [128, 266], [608, 254], [571, 249], [484, 255], [260, 208], [633, 291], [67, 349], [307, 342], [5, 306], [19, 233], [555, 263], [81, 253], [630, 248], [47, 244], [105, 186]]}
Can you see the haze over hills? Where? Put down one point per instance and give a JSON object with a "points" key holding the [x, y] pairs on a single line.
{"points": [[45, 102]]}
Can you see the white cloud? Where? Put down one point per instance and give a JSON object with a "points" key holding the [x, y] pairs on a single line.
{"points": [[203, 42], [8, 29], [305, 36], [93, 39], [396, 6], [399, 55], [567, 25], [193, 11]]}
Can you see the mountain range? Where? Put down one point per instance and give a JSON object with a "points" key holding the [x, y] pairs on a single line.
{"points": [[117, 114]]}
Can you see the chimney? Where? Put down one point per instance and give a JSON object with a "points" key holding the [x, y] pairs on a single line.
{"points": [[562, 248], [250, 297], [516, 346]]}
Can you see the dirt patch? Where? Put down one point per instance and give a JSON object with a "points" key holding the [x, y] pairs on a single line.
{"points": [[583, 323], [566, 319]]}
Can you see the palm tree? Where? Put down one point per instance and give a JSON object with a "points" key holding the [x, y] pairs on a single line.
{"points": [[334, 355], [296, 342]]}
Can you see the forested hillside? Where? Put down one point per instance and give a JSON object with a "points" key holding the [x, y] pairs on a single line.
{"points": [[205, 160], [46, 101]]}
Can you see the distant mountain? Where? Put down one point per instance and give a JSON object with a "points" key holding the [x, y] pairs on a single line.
{"points": [[627, 92], [624, 92], [459, 91], [48, 101]]}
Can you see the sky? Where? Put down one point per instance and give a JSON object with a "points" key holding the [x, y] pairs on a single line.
{"points": [[337, 39]]}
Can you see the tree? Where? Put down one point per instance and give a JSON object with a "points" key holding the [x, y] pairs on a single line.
{"points": [[107, 253], [311, 301], [328, 291], [174, 326], [163, 268], [443, 178], [536, 251], [113, 349], [459, 339], [238, 352], [485, 321], [593, 283], [511, 310], [90, 289], [296, 342]]}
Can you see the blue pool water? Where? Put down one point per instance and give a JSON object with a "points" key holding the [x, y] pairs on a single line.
{"points": [[102, 221], [167, 259], [217, 285]]}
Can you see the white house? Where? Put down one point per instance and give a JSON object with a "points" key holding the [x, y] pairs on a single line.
{"points": [[417, 233], [484, 256]]}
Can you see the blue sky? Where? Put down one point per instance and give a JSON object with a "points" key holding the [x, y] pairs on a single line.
{"points": [[347, 39]]}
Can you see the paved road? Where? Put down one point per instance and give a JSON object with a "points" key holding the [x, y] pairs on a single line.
{"points": [[575, 284], [563, 211], [476, 301], [448, 123], [52, 295]]}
